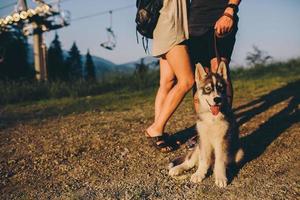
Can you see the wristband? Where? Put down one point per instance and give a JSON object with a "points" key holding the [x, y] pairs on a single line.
{"points": [[229, 15], [234, 7]]}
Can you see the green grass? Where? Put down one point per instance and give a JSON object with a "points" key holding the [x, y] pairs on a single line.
{"points": [[289, 69], [15, 92]]}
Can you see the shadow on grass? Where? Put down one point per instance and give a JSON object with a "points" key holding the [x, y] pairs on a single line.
{"points": [[37, 112], [267, 101], [184, 135], [256, 142], [26, 113]]}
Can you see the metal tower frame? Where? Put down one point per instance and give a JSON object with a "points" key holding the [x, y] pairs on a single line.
{"points": [[44, 17]]}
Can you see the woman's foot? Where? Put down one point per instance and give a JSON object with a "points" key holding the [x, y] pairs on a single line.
{"points": [[161, 141], [152, 132]]}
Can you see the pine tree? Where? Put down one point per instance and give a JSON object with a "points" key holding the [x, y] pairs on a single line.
{"points": [[14, 56], [141, 69], [90, 74], [56, 66], [74, 63]]}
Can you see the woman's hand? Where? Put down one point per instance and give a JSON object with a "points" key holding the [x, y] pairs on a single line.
{"points": [[225, 23]]}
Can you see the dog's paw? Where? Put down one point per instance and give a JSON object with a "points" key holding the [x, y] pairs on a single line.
{"points": [[197, 177], [171, 165], [175, 171], [221, 182]]}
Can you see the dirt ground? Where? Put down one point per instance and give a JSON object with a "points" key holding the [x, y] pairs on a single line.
{"points": [[103, 154]]}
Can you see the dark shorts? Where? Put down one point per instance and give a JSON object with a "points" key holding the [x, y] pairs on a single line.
{"points": [[202, 48]]}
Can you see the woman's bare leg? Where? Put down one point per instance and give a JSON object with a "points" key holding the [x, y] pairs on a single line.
{"points": [[178, 59], [167, 81]]}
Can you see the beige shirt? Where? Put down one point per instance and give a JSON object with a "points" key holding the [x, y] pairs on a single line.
{"points": [[171, 28]]}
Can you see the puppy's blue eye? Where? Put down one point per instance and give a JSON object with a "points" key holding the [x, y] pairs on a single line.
{"points": [[207, 89]]}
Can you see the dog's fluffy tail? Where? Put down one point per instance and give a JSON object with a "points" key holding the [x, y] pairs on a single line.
{"points": [[239, 156], [192, 157], [177, 161]]}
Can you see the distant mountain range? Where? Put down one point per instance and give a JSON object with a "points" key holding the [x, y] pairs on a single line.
{"points": [[104, 67], [148, 60]]}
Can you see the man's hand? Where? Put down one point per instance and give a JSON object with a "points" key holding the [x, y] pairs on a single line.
{"points": [[224, 24]]}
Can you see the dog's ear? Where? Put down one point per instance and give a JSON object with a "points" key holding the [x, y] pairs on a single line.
{"points": [[222, 70], [200, 73]]}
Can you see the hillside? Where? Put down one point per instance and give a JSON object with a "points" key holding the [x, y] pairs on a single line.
{"points": [[94, 147], [148, 60], [103, 66]]}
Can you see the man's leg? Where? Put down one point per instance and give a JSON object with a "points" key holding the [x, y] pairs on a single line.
{"points": [[190, 144], [199, 54]]}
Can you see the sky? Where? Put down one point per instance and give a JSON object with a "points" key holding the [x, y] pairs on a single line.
{"points": [[271, 25]]}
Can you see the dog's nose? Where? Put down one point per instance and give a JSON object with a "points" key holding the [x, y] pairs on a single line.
{"points": [[217, 100]]}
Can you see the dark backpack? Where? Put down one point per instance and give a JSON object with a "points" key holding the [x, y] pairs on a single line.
{"points": [[147, 16]]}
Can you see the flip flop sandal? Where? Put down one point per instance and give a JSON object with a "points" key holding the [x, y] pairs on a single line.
{"points": [[161, 143]]}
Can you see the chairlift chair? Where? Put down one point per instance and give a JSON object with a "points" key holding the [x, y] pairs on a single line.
{"points": [[64, 17], [111, 42]]}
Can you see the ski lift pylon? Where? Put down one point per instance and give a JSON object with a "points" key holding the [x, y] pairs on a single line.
{"points": [[2, 54], [111, 42]]}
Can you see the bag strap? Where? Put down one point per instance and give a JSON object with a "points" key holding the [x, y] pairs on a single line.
{"points": [[145, 44], [138, 4]]}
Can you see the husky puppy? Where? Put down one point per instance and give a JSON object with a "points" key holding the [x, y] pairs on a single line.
{"points": [[216, 127]]}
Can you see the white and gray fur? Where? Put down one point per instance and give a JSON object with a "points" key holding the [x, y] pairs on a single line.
{"points": [[218, 133]]}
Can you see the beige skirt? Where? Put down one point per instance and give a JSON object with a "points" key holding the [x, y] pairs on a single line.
{"points": [[171, 28]]}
